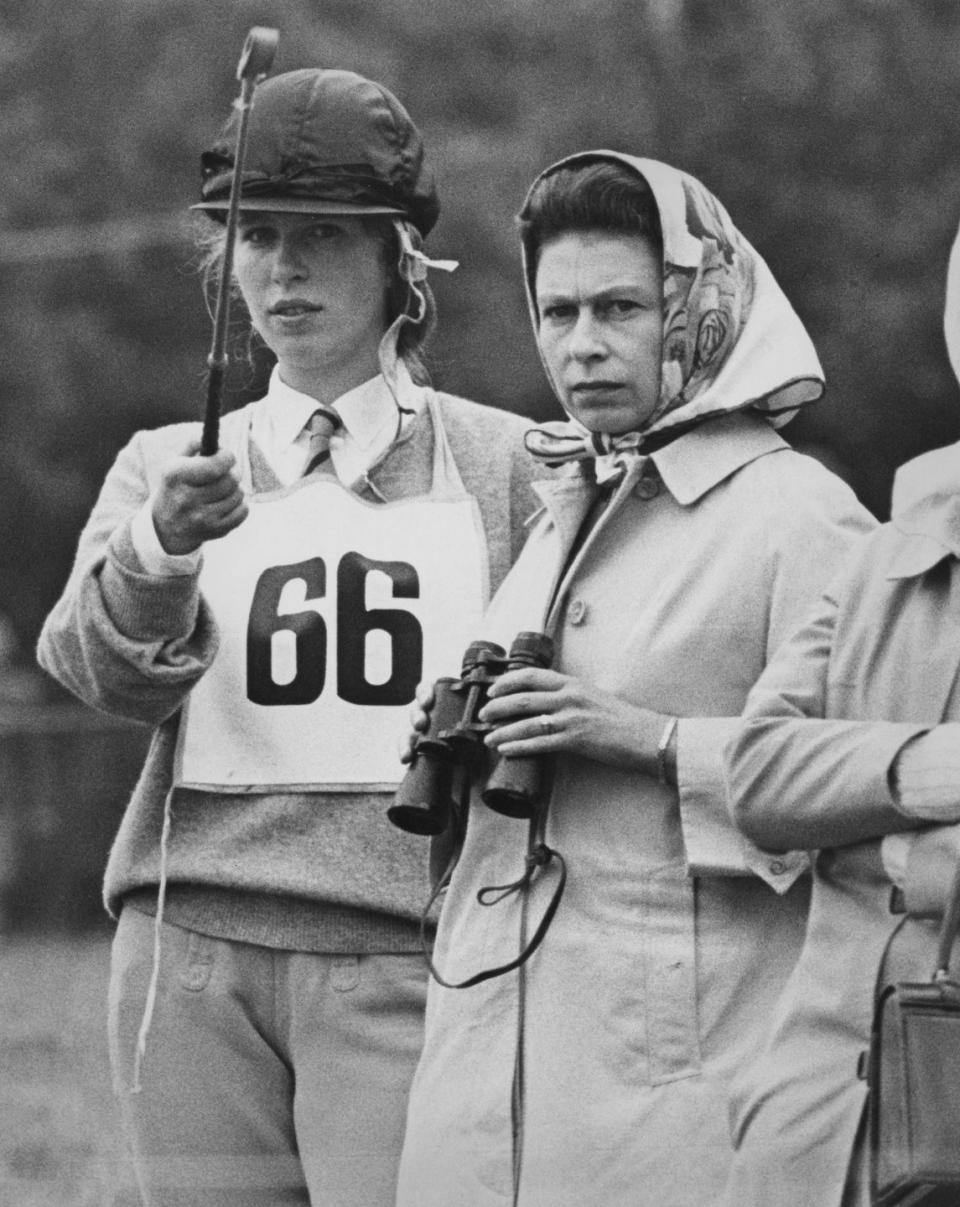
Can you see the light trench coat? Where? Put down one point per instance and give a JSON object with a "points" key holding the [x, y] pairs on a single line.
{"points": [[883, 647], [675, 935]]}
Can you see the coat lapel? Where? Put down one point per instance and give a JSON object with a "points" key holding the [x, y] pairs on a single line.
{"points": [[568, 502]]}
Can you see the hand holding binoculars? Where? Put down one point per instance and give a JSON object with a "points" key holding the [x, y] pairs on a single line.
{"points": [[424, 803]]}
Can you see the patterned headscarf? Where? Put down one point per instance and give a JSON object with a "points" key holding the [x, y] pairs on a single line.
{"points": [[731, 340]]}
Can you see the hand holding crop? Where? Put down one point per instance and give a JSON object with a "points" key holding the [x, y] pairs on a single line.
{"points": [[199, 499]]}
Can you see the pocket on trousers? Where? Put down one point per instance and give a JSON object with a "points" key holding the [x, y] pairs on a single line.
{"points": [[197, 965], [344, 973]]}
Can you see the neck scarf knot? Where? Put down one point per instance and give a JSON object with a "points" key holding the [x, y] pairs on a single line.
{"points": [[558, 443]]}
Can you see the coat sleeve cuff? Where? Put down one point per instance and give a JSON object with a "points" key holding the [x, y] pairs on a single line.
{"points": [[929, 869], [713, 845]]}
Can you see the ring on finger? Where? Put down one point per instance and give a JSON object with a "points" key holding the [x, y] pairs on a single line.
{"points": [[546, 723]]}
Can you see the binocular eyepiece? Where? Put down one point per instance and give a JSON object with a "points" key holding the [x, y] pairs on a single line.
{"points": [[424, 803]]}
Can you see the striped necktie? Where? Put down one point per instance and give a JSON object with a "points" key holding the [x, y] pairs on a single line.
{"points": [[322, 425]]}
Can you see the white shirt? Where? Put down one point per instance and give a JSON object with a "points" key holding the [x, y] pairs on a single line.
{"points": [[278, 428]]}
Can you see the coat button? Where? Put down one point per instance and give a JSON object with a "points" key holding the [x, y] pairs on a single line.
{"points": [[577, 612], [647, 488], [777, 867]]}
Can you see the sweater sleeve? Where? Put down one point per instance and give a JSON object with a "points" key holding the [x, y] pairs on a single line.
{"points": [[122, 640], [807, 541]]}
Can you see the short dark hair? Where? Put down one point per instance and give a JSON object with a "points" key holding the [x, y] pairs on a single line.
{"points": [[589, 195]]}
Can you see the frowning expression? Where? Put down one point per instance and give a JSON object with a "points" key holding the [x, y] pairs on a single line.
{"points": [[599, 297], [315, 287]]}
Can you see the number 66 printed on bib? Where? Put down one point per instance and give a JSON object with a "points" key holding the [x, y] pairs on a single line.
{"points": [[306, 631], [329, 612]]}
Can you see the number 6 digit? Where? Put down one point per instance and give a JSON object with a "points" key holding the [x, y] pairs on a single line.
{"points": [[355, 621], [308, 628]]}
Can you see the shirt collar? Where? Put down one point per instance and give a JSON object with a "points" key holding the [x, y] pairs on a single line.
{"points": [[364, 409], [693, 464]]}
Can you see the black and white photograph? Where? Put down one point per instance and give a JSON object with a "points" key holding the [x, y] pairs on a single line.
{"points": [[480, 603]]}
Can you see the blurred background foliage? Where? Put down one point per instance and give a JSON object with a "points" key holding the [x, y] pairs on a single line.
{"points": [[827, 130]]}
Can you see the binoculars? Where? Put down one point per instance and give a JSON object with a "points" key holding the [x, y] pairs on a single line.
{"points": [[424, 803]]}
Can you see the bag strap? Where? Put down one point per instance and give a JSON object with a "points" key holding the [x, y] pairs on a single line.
{"points": [[948, 930], [941, 990]]}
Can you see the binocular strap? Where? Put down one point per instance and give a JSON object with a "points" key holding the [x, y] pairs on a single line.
{"points": [[538, 858], [517, 1098]]}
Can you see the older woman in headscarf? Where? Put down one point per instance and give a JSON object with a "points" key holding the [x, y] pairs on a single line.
{"points": [[851, 743], [685, 542]]}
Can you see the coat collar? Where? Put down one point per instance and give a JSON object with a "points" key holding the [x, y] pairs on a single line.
{"points": [[926, 512], [690, 467]]}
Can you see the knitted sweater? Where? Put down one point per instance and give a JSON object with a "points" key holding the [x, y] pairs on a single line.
{"points": [[287, 870]]}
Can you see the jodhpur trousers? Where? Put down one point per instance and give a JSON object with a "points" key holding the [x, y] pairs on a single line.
{"points": [[269, 1078]]}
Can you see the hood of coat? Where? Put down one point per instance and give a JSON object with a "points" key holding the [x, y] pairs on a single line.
{"points": [[926, 490], [951, 309], [731, 339]]}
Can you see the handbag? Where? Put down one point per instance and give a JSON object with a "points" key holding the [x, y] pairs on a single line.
{"points": [[913, 1078]]}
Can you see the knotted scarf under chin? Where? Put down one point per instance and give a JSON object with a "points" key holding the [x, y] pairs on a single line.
{"points": [[559, 443]]}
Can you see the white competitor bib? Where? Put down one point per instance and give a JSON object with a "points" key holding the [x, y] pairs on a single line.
{"points": [[331, 610]]}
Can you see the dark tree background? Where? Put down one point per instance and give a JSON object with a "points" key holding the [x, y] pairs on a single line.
{"points": [[827, 129]]}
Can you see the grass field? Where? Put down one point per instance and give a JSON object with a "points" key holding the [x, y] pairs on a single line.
{"points": [[60, 1142]]}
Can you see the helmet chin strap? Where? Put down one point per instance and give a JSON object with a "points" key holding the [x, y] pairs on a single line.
{"points": [[413, 265]]}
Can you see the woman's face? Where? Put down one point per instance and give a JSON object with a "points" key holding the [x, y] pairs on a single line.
{"points": [[600, 300], [315, 287]]}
